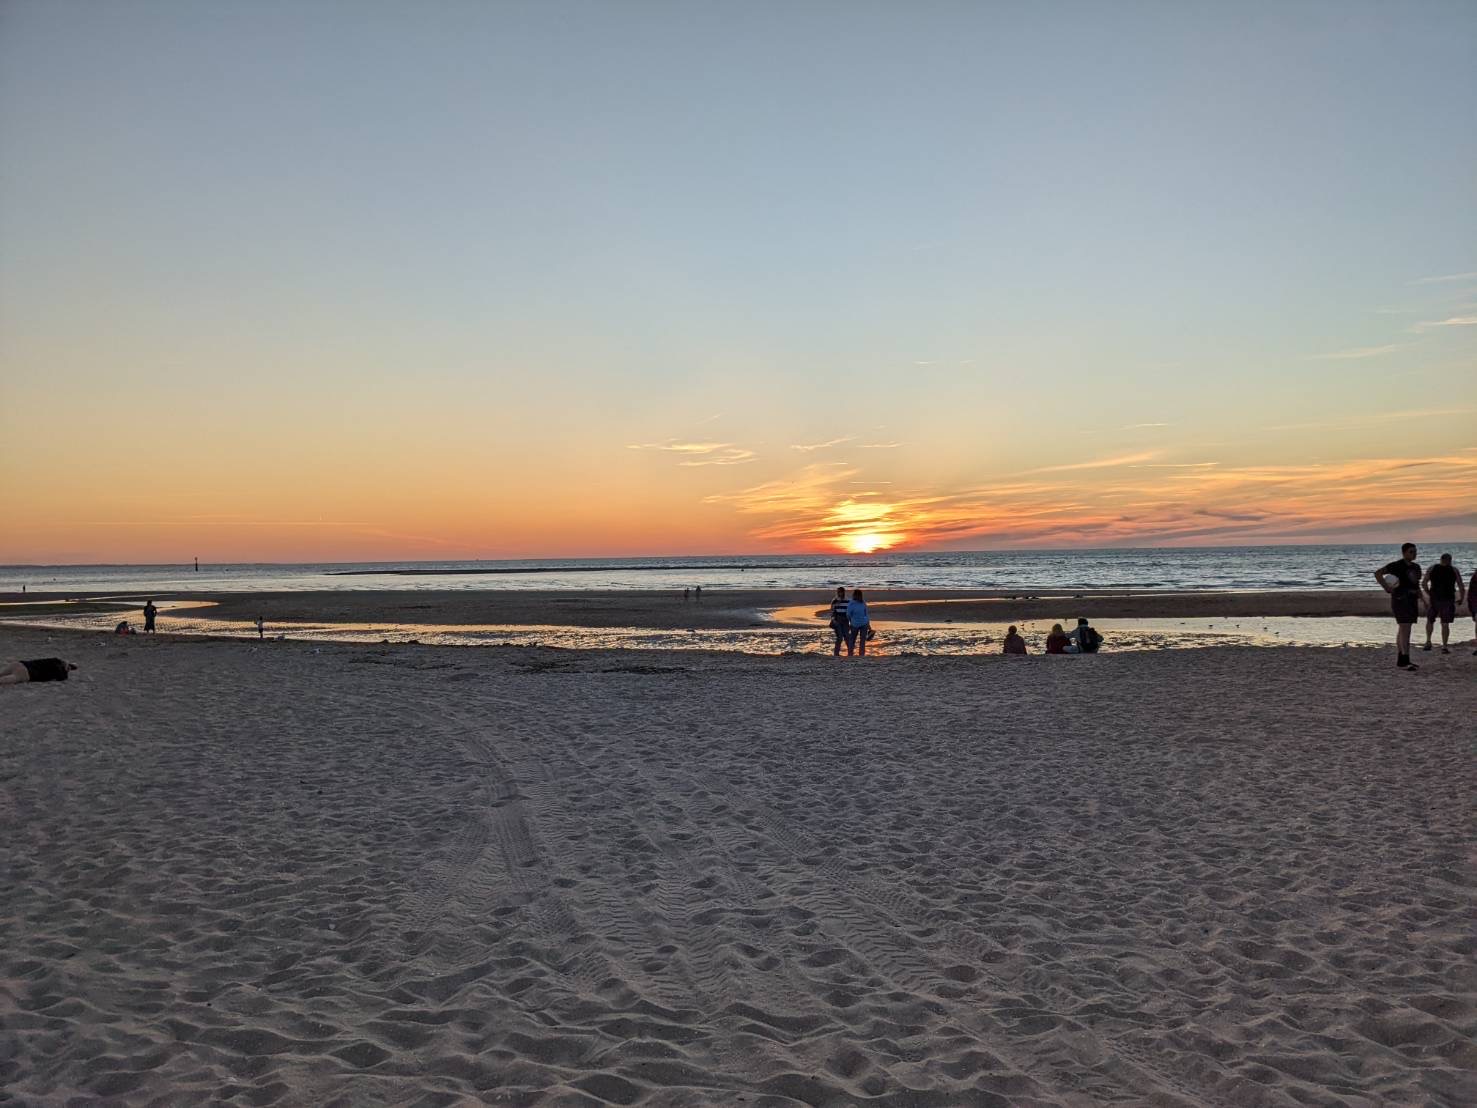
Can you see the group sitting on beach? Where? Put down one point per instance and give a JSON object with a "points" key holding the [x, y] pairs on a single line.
{"points": [[1085, 639]]}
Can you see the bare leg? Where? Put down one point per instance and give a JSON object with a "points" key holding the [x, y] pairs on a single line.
{"points": [[1445, 634], [14, 674], [1402, 638]]}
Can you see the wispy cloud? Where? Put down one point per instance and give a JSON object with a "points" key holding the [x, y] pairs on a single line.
{"points": [[700, 453], [675, 446], [1373, 419], [1358, 352], [1454, 321], [1443, 279], [879, 445], [832, 506], [811, 447], [1101, 463], [732, 456], [1177, 465], [1140, 426]]}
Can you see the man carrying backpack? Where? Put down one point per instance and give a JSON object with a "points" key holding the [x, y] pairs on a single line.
{"points": [[1086, 638]]}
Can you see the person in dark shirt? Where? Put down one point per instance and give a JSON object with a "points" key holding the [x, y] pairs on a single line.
{"points": [[1472, 603], [150, 611], [1402, 580], [839, 625], [1014, 644], [1443, 588], [37, 669], [1056, 642]]}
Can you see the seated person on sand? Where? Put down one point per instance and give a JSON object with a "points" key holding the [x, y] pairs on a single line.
{"points": [[1014, 644], [123, 628], [1085, 640], [1056, 642], [37, 669]]}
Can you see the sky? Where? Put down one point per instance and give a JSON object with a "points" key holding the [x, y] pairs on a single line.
{"points": [[369, 280]]}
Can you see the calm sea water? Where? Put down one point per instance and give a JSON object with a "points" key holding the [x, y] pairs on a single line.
{"points": [[1235, 567]]}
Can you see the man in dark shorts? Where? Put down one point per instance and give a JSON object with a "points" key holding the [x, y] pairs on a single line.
{"points": [[1443, 588], [1402, 580], [150, 611], [37, 669], [839, 625]]}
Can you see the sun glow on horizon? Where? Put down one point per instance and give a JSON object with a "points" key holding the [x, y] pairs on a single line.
{"points": [[869, 542]]}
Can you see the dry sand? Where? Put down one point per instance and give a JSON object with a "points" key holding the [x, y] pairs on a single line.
{"points": [[309, 875]]}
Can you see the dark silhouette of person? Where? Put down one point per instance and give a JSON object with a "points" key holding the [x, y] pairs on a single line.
{"points": [[1402, 580], [150, 611], [1444, 591], [839, 625], [1014, 644]]}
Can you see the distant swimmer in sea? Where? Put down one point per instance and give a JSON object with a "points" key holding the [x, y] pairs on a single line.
{"points": [[859, 624], [37, 669], [1402, 580], [1443, 588], [839, 623], [1056, 642], [1085, 639], [149, 613], [1014, 644]]}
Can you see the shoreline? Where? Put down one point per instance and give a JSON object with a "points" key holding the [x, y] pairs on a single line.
{"points": [[728, 610]]}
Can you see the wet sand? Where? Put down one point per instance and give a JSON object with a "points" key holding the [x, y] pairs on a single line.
{"points": [[298, 874], [735, 609]]}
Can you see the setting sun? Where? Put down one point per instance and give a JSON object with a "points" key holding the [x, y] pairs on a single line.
{"points": [[868, 543]]}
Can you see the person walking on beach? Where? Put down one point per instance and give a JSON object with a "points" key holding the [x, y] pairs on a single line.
{"points": [[1086, 638], [1014, 644], [1442, 585], [260, 628], [839, 624], [149, 613], [698, 594], [686, 595], [859, 624], [1056, 642], [1472, 605], [1402, 580]]}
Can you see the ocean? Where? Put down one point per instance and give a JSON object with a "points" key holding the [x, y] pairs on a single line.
{"points": [[1253, 568]]}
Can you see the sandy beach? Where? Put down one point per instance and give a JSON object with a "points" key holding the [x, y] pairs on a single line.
{"points": [[306, 874]]}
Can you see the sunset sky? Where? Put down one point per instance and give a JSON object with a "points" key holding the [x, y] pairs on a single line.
{"points": [[339, 281]]}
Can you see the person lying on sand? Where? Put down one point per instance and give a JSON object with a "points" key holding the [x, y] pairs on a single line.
{"points": [[37, 669]]}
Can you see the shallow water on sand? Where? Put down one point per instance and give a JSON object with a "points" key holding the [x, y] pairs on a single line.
{"points": [[793, 630]]}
